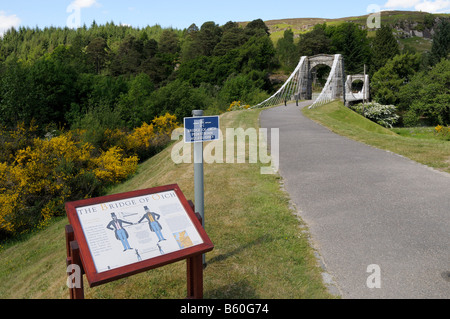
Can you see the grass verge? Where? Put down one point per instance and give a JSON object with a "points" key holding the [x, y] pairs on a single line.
{"points": [[432, 152], [260, 250]]}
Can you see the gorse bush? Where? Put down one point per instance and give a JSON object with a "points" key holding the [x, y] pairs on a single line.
{"points": [[36, 184], [112, 166], [236, 106], [442, 132], [143, 141], [38, 175], [384, 115]]}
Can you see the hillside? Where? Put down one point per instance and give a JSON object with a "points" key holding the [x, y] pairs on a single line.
{"points": [[412, 28]]}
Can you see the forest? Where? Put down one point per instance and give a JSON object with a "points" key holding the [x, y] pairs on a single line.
{"points": [[79, 109]]}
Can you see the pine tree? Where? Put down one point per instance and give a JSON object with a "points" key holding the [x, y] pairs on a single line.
{"points": [[314, 42], [384, 47], [441, 42], [97, 52], [351, 41], [287, 50]]}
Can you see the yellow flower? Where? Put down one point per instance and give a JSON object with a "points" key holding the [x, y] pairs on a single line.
{"points": [[141, 137], [113, 167], [165, 124]]}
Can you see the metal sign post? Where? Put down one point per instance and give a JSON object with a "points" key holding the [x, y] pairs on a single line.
{"points": [[198, 171], [199, 129]]}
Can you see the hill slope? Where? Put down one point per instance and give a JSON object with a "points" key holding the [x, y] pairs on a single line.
{"points": [[413, 28]]}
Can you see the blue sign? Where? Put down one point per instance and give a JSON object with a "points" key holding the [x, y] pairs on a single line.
{"points": [[201, 129]]}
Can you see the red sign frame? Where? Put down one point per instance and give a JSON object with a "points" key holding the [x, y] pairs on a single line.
{"points": [[95, 278]]}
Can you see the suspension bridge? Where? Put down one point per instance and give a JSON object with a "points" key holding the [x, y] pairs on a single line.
{"points": [[338, 86]]}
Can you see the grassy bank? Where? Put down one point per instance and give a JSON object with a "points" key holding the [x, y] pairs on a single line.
{"points": [[422, 148], [260, 248]]}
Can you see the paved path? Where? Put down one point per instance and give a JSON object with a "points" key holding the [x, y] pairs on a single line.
{"points": [[366, 206]]}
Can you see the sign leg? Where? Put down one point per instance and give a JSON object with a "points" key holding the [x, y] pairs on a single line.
{"points": [[195, 277]]}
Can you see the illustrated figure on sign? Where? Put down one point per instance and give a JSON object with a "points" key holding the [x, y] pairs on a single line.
{"points": [[138, 255], [152, 219], [160, 249], [116, 225]]}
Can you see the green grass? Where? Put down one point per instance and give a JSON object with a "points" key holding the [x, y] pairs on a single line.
{"points": [[421, 133], [416, 43], [421, 147], [261, 248]]}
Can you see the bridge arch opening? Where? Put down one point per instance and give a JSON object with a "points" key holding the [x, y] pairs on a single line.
{"points": [[319, 74], [357, 85]]}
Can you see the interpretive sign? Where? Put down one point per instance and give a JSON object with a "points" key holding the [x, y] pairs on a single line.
{"points": [[201, 129], [125, 234]]}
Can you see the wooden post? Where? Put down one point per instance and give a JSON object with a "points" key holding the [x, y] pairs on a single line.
{"points": [[195, 277], [70, 236], [78, 292], [195, 270], [69, 260]]}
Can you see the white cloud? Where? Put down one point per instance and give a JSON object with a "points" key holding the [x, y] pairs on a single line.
{"points": [[438, 6], [84, 3], [432, 6], [6, 22], [401, 3]]}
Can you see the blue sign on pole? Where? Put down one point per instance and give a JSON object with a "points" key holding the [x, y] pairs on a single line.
{"points": [[201, 129]]}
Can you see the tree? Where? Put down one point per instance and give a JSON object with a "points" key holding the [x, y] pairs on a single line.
{"points": [[258, 53], [387, 81], [209, 36], [255, 27], [14, 106], [178, 98], [128, 58], [241, 88], [427, 96], [314, 42], [384, 47], [233, 37], [97, 52], [150, 48], [133, 104], [351, 41], [196, 71], [190, 48], [287, 50], [169, 42], [441, 42]]}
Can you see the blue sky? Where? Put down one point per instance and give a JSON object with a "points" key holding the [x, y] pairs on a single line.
{"points": [[180, 14]]}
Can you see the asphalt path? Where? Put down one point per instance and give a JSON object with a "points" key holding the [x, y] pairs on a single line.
{"points": [[366, 206]]}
